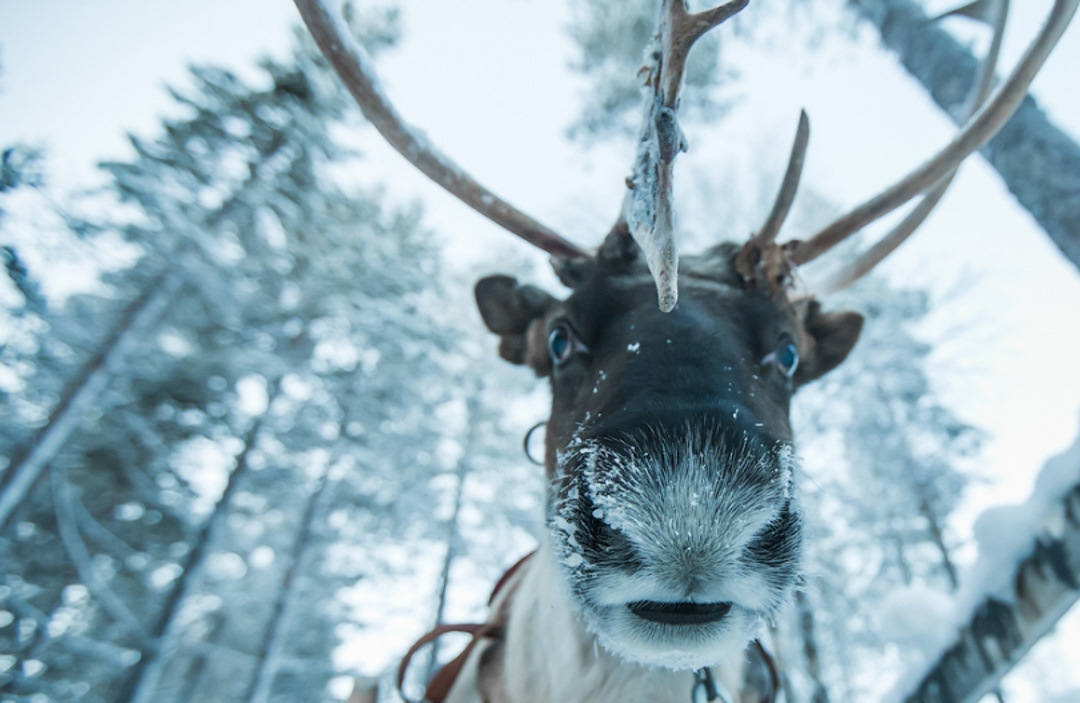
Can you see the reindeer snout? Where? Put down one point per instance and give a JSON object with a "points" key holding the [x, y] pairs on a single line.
{"points": [[668, 521], [677, 536]]}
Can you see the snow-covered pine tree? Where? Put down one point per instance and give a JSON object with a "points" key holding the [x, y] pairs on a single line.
{"points": [[281, 381], [492, 493]]}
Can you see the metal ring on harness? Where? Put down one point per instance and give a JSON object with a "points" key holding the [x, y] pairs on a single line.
{"points": [[528, 439]]}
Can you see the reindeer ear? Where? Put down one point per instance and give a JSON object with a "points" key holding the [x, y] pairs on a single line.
{"points": [[829, 338], [509, 310]]}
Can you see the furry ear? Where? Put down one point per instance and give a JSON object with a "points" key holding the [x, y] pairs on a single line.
{"points": [[829, 338], [509, 310]]}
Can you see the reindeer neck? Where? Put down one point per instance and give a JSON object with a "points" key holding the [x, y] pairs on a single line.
{"points": [[551, 658]]}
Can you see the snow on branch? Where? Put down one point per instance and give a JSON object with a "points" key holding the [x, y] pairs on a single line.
{"points": [[1027, 576]]}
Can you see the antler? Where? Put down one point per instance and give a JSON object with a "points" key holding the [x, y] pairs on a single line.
{"points": [[647, 208], [995, 13], [760, 259], [353, 66], [980, 129]]}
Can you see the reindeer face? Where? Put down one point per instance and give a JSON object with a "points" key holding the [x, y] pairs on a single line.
{"points": [[671, 505]]}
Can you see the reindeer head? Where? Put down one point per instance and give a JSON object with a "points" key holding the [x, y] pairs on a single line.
{"points": [[669, 451], [669, 446]]}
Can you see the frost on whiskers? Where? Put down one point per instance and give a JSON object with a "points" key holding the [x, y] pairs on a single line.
{"points": [[562, 522], [696, 511], [701, 481], [694, 489]]}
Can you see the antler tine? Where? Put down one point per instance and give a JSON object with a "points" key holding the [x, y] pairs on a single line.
{"points": [[983, 126], [996, 13], [760, 260], [647, 208], [790, 185], [354, 68], [683, 29]]}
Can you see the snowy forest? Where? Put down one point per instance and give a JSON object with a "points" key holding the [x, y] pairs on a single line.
{"points": [[255, 440]]}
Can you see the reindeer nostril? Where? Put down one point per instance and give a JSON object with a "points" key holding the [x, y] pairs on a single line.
{"points": [[679, 613]]}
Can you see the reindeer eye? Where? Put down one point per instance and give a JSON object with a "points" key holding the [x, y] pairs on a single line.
{"points": [[561, 344], [785, 357]]}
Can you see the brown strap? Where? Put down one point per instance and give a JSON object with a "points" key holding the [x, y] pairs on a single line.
{"points": [[508, 575], [440, 684], [444, 678]]}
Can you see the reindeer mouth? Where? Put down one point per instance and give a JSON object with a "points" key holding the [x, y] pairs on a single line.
{"points": [[679, 613]]}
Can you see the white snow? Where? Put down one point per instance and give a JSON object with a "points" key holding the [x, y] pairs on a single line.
{"points": [[226, 566], [262, 557], [928, 620], [129, 512], [252, 395], [1005, 533], [163, 576], [205, 465], [175, 344]]}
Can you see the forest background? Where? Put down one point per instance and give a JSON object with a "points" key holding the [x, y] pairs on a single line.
{"points": [[283, 459]]}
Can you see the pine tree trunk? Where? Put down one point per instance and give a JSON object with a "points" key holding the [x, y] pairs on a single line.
{"points": [[272, 649], [452, 535], [1039, 163], [82, 393], [938, 536], [141, 686]]}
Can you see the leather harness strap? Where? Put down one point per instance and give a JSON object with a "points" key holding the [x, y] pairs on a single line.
{"points": [[508, 575], [444, 678], [440, 684]]}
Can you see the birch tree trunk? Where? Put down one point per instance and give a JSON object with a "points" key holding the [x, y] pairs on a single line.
{"points": [[999, 633], [1039, 163]]}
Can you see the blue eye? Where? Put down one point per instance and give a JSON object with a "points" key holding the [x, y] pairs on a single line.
{"points": [[560, 344], [787, 358]]}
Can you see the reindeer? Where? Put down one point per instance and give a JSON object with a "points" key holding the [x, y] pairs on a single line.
{"points": [[673, 526]]}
